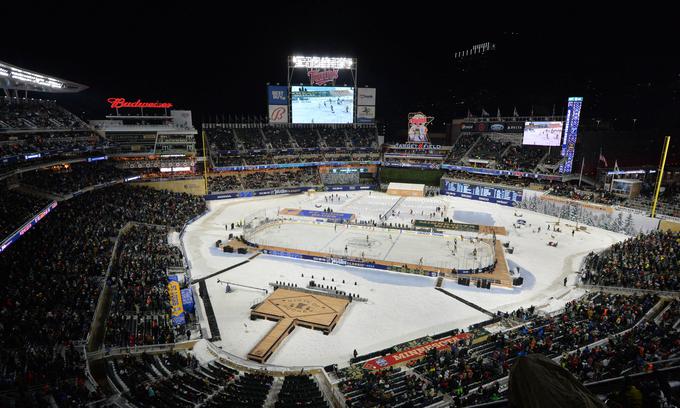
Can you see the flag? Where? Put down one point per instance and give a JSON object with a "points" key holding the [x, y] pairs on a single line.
{"points": [[603, 159], [514, 111], [484, 113]]}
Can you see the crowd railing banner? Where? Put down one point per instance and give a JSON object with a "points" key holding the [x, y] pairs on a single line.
{"points": [[291, 165], [258, 193], [175, 295], [188, 300], [495, 172], [19, 232], [352, 187]]}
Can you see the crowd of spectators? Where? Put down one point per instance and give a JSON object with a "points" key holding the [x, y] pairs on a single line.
{"points": [[221, 138], [461, 370], [140, 309], [17, 113], [462, 145], [251, 160], [305, 137], [333, 137], [638, 350], [511, 181], [387, 388], [647, 261], [363, 137], [521, 158], [305, 176], [277, 137], [70, 178], [32, 143], [251, 138], [53, 277], [488, 149], [599, 196], [16, 209], [224, 183]]}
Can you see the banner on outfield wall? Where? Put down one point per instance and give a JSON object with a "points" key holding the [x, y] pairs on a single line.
{"points": [[414, 353], [493, 127], [188, 300], [366, 96], [352, 187], [365, 114], [277, 95], [258, 193], [175, 295], [478, 198], [278, 114]]}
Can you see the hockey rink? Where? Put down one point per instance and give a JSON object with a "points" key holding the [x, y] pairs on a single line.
{"points": [[459, 251], [400, 307]]}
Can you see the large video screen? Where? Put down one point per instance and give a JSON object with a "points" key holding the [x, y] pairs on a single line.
{"points": [[322, 104], [542, 133]]}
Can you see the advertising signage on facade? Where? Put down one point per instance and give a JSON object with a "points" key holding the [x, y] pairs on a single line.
{"points": [[118, 103], [493, 127]]}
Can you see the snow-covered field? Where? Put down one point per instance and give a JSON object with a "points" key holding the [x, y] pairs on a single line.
{"points": [[400, 307]]}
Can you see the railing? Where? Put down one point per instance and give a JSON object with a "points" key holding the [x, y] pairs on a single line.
{"points": [[148, 349]]}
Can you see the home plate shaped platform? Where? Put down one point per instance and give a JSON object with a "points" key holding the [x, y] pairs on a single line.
{"points": [[292, 308]]}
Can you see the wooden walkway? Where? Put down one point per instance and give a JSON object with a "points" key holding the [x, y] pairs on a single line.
{"points": [[293, 309]]}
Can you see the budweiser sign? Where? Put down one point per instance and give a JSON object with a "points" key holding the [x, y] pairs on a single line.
{"points": [[117, 103], [317, 77]]}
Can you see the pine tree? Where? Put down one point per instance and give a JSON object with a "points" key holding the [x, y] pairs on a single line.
{"points": [[628, 226]]}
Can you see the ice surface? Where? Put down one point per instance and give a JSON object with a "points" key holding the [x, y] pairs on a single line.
{"points": [[401, 307]]}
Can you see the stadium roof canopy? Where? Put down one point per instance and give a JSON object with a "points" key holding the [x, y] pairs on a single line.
{"points": [[13, 77]]}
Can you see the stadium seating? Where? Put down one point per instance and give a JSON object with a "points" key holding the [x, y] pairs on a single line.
{"points": [[54, 276], [648, 261], [300, 391], [33, 114], [16, 209], [74, 177]]}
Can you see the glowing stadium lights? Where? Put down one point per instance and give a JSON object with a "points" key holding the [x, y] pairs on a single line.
{"points": [[322, 62], [30, 77]]}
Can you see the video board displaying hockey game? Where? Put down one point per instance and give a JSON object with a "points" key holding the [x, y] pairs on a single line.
{"points": [[542, 133], [322, 104]]}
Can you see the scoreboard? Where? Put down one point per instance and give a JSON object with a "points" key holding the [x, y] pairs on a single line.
{"points": [[481, 192]]}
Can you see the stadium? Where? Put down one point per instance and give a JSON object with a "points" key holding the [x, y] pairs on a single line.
{"points": [[313, 256]]}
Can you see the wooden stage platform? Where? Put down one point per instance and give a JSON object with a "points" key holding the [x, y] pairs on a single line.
{"points": [[292, 309]]}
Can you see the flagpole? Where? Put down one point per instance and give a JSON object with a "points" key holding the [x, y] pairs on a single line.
{"points": [[580, 176], [660, 176]]}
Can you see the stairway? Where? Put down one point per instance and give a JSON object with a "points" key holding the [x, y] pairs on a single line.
{"points": [[273, 395]]}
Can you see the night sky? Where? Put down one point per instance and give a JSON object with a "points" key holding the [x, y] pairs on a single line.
{"points": [[216, 60]]}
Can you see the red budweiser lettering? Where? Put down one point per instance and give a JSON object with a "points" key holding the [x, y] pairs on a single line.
{"points": [[122, 103], [322, 77]]}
